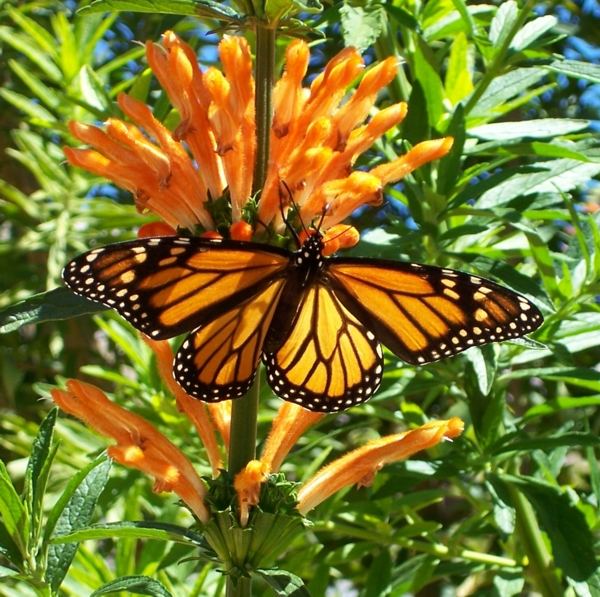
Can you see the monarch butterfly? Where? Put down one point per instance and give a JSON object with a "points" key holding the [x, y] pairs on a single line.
{"points": [[317, 321]]}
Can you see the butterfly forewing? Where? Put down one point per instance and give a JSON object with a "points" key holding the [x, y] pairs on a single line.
{"points": [[166, 286], [424, 313], [218, 361], [329, 360]]}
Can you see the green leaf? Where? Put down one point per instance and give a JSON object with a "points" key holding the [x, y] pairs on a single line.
{"points": [[483, 369], [92, 90], [41, 91], [362, 24], [525, 444], [25, 105], [576, 69], [458, 83], [380, 574], [532, 129], [38, 469], [136, 530], [199, 8], [571, 539], [562, 403], [532, 31], [285, 584], [428, 76], [73, 515], [555, 176], [58, 303], [278, 9], [39, 57], [139, 585], [12, 511], [449, 168], [502, 23], [504, 88]]}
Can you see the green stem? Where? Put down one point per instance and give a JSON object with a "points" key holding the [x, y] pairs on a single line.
{"points": [[241, 588], [540, 568], [244, 411], [264, 75], [496, 66], [242, 443]]}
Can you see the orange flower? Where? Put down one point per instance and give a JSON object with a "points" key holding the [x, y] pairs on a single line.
{"points": [[194, 409], [359, 466], [247, 486], [289, 424], [317, 134], [139, 444]]}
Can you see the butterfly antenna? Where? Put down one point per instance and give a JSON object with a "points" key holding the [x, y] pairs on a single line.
{"points": [[323, 214], [284, 218]]}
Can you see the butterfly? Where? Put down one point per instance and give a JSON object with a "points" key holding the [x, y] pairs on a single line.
{"points": [[317, 322]]}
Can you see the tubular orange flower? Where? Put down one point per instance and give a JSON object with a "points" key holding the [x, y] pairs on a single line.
{"points": [[359, 466], [316, 136], [194, 409], [247, 486], [291, 422], [139, 444]]}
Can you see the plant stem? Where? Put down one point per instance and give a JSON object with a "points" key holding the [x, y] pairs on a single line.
{"points": [[242, 443], [244, 411], [264, 74], [540, 568]]}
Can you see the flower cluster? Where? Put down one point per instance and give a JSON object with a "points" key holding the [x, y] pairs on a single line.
{"points": [[318, 133], [140, 445]]}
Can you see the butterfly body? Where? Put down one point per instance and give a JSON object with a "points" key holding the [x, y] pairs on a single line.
{"points": [[317, 322]]}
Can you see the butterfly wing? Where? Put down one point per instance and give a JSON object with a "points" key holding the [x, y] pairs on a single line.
{"points": [[218, 361], [165, 286], [425, 313], [327, 361]]}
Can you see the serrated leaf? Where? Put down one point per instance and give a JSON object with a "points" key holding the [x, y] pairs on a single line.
{"points": [[75, 514], [58, 303], [532, 31], [139, 585], [571, 539], [576, 69], [278, 9], [362, 24], [285, 584], [38, 469]]}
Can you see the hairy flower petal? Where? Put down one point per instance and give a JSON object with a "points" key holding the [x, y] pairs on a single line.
{"points": [[139, 444], [360, 465]]}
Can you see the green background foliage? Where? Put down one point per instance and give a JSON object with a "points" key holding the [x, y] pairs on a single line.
{"points": [[509, 508]]}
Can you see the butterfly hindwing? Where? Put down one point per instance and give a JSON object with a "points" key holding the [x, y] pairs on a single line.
{"points": [[218, 361], [329, 360], [166, 286], [425, 313]]}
